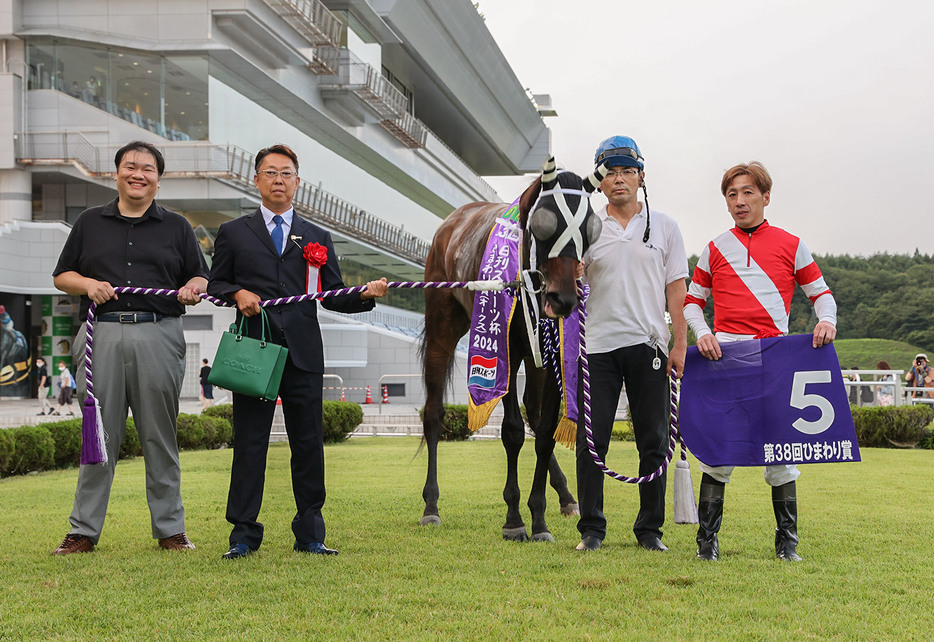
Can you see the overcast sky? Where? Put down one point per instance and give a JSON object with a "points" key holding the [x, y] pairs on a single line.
{"points": [[835, 97]]}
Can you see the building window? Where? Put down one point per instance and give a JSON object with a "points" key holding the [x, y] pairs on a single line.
{"points": [[167, 95]]}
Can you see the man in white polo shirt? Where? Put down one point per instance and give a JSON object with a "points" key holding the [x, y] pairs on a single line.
{"points": [[635, 267]]}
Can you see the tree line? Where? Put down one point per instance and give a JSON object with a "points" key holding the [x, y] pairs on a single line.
{"points": [[884, 296]]}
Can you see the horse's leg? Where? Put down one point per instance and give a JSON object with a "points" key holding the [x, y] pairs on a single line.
{"points": [[541, 393], [445, 323], [559, 482], [513, 436], [557, 477], [535, 383]]}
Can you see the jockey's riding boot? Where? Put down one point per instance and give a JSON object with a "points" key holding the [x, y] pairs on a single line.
{"points": [[785, 505], [709, 516]]}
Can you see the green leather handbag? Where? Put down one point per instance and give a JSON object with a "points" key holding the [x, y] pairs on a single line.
{"points": [[251, 367]]}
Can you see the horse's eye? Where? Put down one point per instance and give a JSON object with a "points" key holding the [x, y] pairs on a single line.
{"points": [[543, 224], [592, 228]]}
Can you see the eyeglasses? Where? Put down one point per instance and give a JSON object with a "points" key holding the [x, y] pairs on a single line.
{"points": [[628, 172], [271, 174]]}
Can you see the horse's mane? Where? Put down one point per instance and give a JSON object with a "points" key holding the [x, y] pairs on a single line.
{"points": [[527, 200]]}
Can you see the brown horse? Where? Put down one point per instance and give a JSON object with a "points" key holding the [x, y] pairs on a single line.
{"points": [[563, 225]]}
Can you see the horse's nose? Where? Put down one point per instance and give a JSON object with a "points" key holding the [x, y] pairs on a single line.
{"points": [[558, 304]]}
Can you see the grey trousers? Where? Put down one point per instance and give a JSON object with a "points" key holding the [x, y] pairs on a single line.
{"points": [[138, 366]]}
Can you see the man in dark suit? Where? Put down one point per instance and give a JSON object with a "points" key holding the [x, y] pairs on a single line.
{"points": [[262, 256]]}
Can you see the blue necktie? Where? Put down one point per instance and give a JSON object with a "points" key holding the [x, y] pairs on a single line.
{"points": [[277, 233]]}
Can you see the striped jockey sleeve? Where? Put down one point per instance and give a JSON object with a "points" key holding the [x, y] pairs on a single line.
{"points": [[698, 293]]}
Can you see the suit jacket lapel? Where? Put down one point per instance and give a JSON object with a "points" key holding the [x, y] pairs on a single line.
{"points": [[258, 226], [302, 231]]}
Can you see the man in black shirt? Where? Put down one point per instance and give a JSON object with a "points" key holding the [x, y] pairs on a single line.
{"points": [[139, 347], [42, 372], [207, 390]]}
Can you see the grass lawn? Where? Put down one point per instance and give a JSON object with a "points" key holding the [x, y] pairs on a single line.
{"points": [[866, 537]]}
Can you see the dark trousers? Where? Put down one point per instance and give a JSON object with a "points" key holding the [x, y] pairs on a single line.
{"points": [[301, 394], [648, 393]]}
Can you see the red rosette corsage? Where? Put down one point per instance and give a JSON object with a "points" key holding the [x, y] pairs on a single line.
{"points": [[316, 255]]}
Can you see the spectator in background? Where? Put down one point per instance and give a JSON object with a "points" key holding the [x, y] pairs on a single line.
{"points": [[66, 384], [854, 390], [207, 390], [42, 372], [886, 393], [919, 376]]}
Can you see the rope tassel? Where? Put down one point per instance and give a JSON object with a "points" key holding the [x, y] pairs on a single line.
{"points": [[93, 447]]}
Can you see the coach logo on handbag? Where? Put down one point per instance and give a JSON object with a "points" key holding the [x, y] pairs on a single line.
{"points": [[251, 367]]}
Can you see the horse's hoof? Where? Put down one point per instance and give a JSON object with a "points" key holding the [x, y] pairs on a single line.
{"points": [[570, 510], [430, 520], [544, 536], [515, 534]]}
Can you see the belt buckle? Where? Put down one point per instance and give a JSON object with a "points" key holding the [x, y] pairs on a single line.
{"points": [[127, 317]]}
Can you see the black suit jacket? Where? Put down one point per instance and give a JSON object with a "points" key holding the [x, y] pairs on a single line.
{"points": [[245, 258]]}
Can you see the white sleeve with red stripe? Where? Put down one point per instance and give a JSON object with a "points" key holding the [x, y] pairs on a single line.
{"points": [[698, 293], [808, 276]]}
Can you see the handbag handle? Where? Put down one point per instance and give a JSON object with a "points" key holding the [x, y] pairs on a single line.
{"points": [[262, 328]]}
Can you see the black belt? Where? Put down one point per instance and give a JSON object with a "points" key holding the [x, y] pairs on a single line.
{"points": [[130, 317]]}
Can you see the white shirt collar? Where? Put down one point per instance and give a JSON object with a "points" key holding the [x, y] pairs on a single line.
{"points": [[268, 214]]}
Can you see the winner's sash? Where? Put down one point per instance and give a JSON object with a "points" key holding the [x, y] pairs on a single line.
{"points": [[767, 402], [568, 359], [488, 352]]}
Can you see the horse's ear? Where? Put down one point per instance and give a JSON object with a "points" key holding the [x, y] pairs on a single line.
{"points": [[549, 173], [592, 181], [527, 200]]}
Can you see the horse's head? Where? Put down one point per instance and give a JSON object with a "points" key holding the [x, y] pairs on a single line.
{"points": [[562, 226]]}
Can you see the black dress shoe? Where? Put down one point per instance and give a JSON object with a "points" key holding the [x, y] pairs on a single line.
{"points": [[316, 548], [653, 544], [237, 550], [589, 543]]}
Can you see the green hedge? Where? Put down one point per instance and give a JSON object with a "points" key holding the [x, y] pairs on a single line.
{"points": [[891, 426], [7, 446], [57, 444], [622, 431], [67, 437], [224, 411], [340, 419], [33, 449], [454, 425]]}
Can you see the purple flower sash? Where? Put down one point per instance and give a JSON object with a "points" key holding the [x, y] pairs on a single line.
{"points": [[488, 352]]}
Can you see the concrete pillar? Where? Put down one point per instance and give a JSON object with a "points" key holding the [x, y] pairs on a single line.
{"points": [[15, 195]]}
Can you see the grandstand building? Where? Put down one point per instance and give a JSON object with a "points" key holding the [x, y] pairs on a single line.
{"points": [[396, 109]]}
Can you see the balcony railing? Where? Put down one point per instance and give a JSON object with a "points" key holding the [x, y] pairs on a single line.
{"points": [[357, 77], [230, 164], [407, 129], [311, 19]]}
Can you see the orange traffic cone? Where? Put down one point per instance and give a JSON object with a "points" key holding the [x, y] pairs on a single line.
{"points": [[278, 401], [343, 398], [385, 394], [369, 397]]}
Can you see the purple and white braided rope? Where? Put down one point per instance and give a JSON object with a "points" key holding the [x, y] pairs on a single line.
{"points": [[673, 411], [89, 348], [674, 436]]}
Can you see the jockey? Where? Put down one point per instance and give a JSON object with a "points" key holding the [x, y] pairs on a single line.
{"points": [[751, 271]]}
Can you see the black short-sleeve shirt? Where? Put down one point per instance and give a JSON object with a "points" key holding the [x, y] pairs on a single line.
{"points": [[158, 250]]}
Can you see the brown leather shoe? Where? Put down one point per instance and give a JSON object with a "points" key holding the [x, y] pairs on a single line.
{"points": [[74, 544], [176, 542]]}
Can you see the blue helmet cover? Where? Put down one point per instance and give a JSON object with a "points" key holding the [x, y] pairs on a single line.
{"points": [[619, 151]]}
